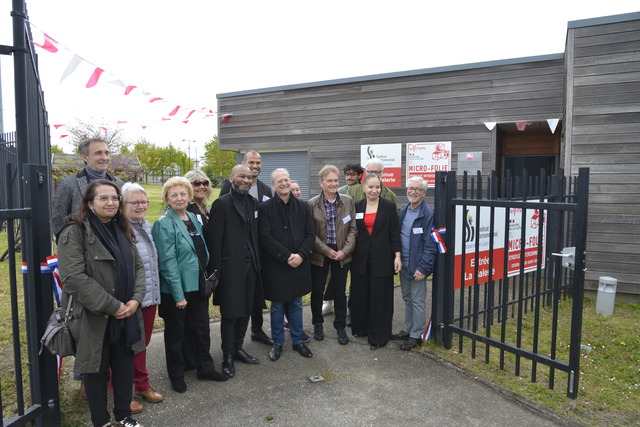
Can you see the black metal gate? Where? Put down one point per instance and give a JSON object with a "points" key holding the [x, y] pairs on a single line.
{"points": [[507, 259], [25, 189]]}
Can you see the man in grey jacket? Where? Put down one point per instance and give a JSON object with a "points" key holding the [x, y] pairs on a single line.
{"points": [[95, 154]]}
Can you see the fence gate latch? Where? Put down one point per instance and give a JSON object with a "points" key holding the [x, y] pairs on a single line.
{"points": [[569, 256]]}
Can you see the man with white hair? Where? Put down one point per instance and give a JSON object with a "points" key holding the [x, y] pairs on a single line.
{"points": [[374, 166], [418, 256]]}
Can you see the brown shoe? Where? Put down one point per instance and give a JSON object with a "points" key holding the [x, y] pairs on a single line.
{"points": [[136, 407], [150, 395]]}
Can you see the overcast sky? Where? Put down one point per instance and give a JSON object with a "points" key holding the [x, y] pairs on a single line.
{"points": [[188, 51]]}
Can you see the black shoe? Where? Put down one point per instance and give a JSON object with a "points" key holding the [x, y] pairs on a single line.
{"points": [[213, 376], [178, 384], [402, 335], [342, 337], [318, 332], [260, 336], [245, 357], [409, 344], [275, 352], [303, 350], [376, 346], [228, 367]]}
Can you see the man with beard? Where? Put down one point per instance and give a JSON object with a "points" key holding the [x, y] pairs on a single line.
{"points": [[232, 240], [261, 192]]}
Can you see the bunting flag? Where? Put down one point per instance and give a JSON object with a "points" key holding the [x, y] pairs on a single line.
{"points": [[426, 335], [521, 125], [436, 236], [73, 66]]}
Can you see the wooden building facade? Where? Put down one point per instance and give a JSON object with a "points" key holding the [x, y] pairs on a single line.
{"points": [[593, 89]]}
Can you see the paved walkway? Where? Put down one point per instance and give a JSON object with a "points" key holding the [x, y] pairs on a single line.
{"points": [[387, 387]]}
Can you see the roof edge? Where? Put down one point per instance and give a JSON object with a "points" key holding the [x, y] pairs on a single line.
{"points": [[409, 73], [613, 19]]}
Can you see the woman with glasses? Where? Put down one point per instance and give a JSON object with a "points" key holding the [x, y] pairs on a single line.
{"points": [[136, 204], [182, 257], [101, 269], [201, 194]]}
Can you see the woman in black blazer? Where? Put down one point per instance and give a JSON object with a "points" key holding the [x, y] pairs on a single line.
{"points": [[375, 260]]}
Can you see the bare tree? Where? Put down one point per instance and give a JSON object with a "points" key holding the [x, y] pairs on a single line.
{"points": [[85, 129]]}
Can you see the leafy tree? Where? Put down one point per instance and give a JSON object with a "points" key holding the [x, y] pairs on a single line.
{"points": [[218, 163], [161, 160], [55, 149]]}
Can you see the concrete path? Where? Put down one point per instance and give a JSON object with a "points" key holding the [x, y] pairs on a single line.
{"points": [[387, 387]]}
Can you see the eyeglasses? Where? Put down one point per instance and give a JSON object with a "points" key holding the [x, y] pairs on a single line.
{"points": [[140, 203], [180, 194], [105, 199], [376, 172], [414, 190], [204, 183]]}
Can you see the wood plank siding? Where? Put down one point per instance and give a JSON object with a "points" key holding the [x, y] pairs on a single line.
{"points": [[594, 88], [603, 74], [333, 120]]}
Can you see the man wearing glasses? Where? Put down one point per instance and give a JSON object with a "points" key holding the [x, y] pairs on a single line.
{"points": [[95, 154], [418, 256], [374, 166], [353, 175]]}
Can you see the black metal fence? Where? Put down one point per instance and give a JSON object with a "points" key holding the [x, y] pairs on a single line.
{"points": [[507, 259], [25, 191]]}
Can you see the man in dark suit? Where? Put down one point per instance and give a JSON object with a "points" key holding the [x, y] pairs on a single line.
{"points": [[232, 240], [95, 154], [261, 192]]}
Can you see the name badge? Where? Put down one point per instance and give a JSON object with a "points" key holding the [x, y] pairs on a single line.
{"points": [[264, 199], [255, 215], [346, 219], [199, 219], [418, 230], [359, 215]]}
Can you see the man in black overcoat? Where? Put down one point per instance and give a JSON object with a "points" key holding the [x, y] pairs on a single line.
{"points": [[287, 238], [232, 240], [261, 192]]}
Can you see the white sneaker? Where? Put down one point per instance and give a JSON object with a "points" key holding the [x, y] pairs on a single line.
{"points": [[327, 307], [129, 422]]}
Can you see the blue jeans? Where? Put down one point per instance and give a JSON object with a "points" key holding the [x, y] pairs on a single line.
{"points": [[293, 310], [414, 294]]}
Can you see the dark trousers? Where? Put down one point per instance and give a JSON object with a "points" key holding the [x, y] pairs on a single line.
{"points": [[372, 307], [197, 314], [232, 332], [338, 284], [256, 319], [120, 360]]}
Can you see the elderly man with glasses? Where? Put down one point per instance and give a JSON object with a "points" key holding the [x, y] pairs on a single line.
{"points": [[418, 256], [374, 166]]}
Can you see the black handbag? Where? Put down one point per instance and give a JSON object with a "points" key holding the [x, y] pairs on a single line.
{"points": [[207, 285], [57, 335]]}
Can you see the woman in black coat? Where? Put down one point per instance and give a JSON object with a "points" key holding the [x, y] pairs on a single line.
{"points": [[375, 260], [287, 237]]}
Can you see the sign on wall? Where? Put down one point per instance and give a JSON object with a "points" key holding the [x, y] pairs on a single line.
{"points": [[469, 162], [475, 227], [424, 159], [391, 157]]}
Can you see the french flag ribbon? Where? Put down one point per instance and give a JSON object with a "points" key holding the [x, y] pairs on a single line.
{"points": [[426, 335], [52, 262], [436, 235]]}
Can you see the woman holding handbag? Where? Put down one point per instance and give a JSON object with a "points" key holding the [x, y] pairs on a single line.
{"points": [[181, 253], [100, 267]]}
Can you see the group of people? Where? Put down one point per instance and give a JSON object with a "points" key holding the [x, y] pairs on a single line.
{"points": [[257, 242]]}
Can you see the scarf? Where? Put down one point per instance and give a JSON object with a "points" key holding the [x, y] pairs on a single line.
{"points": [[114, 239], [94, 174]]}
